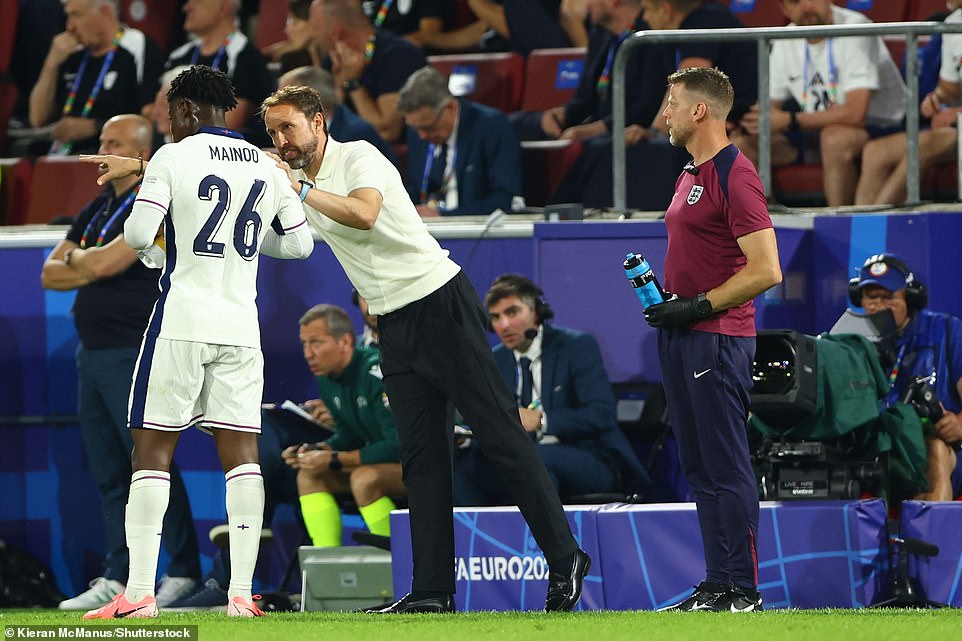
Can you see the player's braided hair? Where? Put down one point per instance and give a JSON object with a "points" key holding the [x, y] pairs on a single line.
{"points": [[203, 85]]}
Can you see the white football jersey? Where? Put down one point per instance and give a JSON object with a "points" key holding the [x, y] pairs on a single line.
{"points": [[217, 195]]}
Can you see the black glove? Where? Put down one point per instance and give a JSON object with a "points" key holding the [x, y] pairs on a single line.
{"points": [[678, 312]]}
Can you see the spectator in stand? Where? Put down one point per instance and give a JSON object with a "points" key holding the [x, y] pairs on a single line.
{"points": [[157, 112], [463, 158], [417, 21], [518, 25], [649, 154], [298, 50], [96, 69], [587, 117], [846, 91], [884, 163], [218, 43], [342, 123], [369, 66]]}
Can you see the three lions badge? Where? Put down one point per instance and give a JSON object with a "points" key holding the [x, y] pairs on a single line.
{"points": [[695, 194]]}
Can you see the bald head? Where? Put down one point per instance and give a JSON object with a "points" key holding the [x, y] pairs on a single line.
{"points": [[129, 135], [133, 128], [314, 77]]}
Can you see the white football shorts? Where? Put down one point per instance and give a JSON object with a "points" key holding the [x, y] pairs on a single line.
{"points": [[178, 384]]}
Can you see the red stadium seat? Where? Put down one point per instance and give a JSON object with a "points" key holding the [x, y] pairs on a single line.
{"points": [[161, 20], [551, 77], [896, 46], [798, 184], [9, 10], [545, 164], [493, 79], [758, 13], [61, 186], [879, 10], [14, 188], [271, 18], [925, 9]]}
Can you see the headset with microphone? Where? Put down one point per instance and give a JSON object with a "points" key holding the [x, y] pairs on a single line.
{"points": [[517, 285], [916, 294]]}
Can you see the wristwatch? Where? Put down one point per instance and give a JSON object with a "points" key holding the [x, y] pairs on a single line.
{"points": [[351, 85], [336, 464]]}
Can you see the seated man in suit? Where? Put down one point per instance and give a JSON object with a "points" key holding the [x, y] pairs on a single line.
{"points": [[564, 398], [463, 158]]}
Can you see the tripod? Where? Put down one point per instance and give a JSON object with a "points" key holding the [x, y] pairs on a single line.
{"points": [[901, 590]]}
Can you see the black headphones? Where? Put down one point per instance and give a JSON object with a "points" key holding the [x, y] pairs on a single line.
{"points": [[916, 295], [517, 285]]}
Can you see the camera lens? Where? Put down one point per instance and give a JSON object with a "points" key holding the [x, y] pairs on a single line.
{"points": [[774, 368]]}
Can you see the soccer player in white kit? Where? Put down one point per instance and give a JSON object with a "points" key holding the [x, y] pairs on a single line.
{"points": [[222, 202]]}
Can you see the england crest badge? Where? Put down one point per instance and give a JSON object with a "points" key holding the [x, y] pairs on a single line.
{"points": [[695, 194]]}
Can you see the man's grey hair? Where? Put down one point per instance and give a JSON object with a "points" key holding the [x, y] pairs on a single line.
{"points": [[338, 322], [426, 87], [316, 78]]}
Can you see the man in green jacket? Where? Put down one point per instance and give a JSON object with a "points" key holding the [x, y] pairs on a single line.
{"points": [[361, 457]]}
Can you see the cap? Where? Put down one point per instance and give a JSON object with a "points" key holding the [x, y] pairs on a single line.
{"points": [[882, 274]]}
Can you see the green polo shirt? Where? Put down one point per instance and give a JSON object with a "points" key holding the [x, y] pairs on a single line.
{"points": [[359, 407]]}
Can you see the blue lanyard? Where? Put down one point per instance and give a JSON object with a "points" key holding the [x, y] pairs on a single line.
{"points": [[604, 80], [217, 56], [64, 148], [445, 178], [110, 222]]}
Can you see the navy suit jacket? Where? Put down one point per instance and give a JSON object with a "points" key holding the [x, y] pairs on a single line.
{"points": [[487, 161], [577, 397]]}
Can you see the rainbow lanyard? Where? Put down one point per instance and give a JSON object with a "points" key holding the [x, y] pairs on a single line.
{"points": [[370, 47], [894, 375], [445, 178], [110, 222], [221, 52], [64, 148], [832, 76], [382, 13], [604, 80]]}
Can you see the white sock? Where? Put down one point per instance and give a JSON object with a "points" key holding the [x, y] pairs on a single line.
{"points": [[146, 505], [245, 515]]}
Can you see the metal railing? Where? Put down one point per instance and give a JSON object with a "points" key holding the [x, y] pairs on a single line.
{"points": [[763, 37]]}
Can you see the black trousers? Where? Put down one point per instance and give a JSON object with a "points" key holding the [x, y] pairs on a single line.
{"points": [[434, 350]]}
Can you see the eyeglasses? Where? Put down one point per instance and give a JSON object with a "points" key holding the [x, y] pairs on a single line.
{"points": [[433, 125]]}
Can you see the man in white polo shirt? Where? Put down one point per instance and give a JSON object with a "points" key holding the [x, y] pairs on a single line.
{"points": [[433, 345]]}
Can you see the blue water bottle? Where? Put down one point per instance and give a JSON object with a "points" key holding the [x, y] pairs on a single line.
{"points": [[643, 279]]}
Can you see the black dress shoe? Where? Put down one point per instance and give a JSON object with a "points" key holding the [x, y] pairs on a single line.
{"points": [[564, 591], [407, 605]]}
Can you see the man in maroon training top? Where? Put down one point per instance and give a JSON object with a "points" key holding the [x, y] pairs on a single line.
{"points": [[721, 255]]}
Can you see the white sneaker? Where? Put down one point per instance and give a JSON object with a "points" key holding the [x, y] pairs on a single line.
{"points": [[173, 588], [101, 592]]}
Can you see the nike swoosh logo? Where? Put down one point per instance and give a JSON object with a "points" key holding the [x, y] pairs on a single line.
{"points": [[701, 606], [121, 615], [700, 374], [750, 608]]}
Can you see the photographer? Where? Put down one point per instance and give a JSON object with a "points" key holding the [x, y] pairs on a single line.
{"points": [[929, 347]]}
